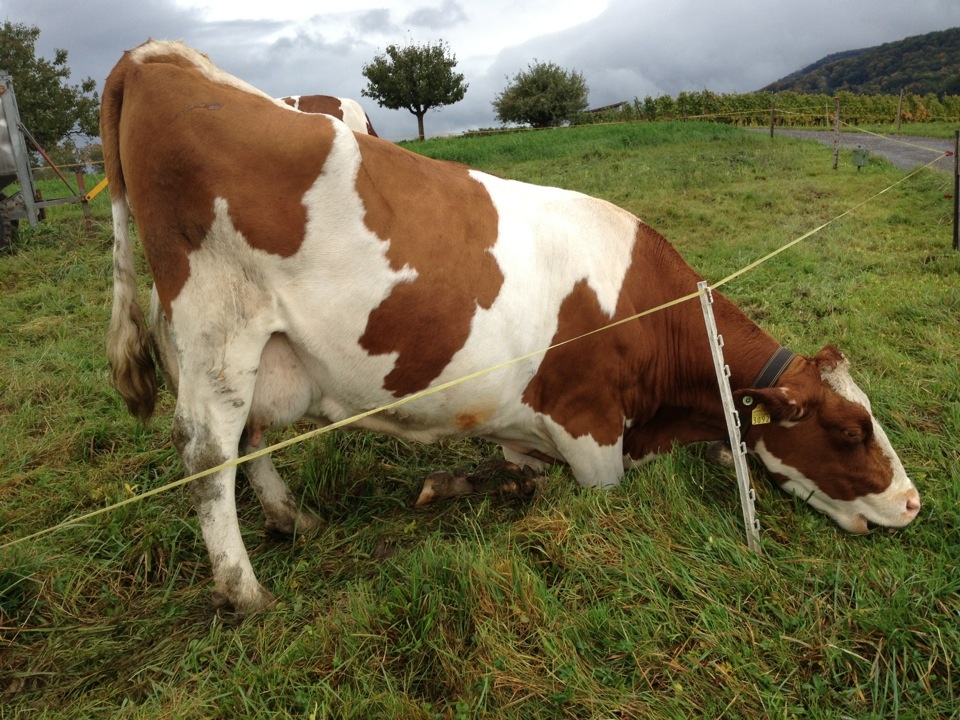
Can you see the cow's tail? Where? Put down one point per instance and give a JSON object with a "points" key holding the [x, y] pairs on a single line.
{"points": [[129, 348]]}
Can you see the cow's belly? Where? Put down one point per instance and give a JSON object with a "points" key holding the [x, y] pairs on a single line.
{"points": [[292, 385]]}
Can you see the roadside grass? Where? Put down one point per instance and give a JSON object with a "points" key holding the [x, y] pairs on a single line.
{"points": [[638, 603]]}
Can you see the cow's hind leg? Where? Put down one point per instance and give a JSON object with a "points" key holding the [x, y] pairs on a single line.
{"points": [[216, 388], [283, 515]]}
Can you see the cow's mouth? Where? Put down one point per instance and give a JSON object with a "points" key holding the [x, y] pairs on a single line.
{"points": [[857, 524], [869, 526]]}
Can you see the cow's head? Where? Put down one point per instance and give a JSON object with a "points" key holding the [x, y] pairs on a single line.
{"points": [[822, 443]]}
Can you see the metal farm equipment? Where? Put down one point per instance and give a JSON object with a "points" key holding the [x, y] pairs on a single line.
{"points": [[25, 203]]}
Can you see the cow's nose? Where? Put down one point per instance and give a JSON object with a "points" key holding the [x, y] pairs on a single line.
{"points": [[913, 503]]}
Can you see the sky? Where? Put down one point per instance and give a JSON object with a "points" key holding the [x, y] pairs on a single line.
{"points": [[625, 49]]}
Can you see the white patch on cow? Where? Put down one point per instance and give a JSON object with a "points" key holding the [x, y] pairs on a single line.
{"points": [[549, 239], [523, 460], [218, 354], [295, 104], [840, 379], [280, 507], [124, 335], [321, 305], [124, 269], [891, 508], [353, 115]]}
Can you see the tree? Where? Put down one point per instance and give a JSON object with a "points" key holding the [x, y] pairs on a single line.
{"points": [[543, 95], [415, 77], [49, 108]]}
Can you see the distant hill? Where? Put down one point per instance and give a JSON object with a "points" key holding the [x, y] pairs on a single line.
{"points": [[920, 64]]}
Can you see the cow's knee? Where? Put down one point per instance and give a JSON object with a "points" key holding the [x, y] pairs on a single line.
{"points": [[199, 450]]}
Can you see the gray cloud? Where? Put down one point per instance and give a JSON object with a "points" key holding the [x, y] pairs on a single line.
{"points": [[379, 22], [449, 14], [631, 49]]}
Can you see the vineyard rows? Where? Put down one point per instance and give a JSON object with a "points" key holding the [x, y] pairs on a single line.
{"points": [[790, 108]]}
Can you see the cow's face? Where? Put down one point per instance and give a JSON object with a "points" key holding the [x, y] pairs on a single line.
{"points": [[823, 444]]}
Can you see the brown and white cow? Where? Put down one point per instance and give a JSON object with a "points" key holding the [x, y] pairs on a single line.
{"points": [[305, 270], [344, 109]]}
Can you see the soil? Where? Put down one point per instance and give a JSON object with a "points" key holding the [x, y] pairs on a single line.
{"points": [[906, 153]]}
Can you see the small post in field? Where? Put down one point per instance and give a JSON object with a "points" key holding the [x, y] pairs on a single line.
{"points": [[773, 113], [956, 190], [899, 110], [737, 447], [88, 220], [836, 131]]}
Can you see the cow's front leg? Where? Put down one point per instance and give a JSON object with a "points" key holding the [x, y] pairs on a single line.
{"points": [[593, 464]]}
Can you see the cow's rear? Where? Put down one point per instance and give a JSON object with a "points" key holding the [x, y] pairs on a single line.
{"points": [[181, 158]]}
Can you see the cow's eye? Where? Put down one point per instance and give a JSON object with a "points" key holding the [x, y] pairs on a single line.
{"points": [[853, 435], [857, 434]]}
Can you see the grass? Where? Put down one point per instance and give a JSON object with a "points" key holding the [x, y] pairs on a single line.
{"points": [[641, 602]]}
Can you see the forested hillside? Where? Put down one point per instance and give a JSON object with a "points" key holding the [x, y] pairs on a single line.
{"points": [[920, 64]]}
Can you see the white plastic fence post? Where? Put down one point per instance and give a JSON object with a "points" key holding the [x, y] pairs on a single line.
{"points": [[739, 448]]}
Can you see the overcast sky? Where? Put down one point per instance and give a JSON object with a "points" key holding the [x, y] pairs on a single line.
{"points": [[624, 48]]}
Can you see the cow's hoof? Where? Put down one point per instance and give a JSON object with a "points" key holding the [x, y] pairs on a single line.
{"points": [[492, 478], [290, 524], [248, 602]]}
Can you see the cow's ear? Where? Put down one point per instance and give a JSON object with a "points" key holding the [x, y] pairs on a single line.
{"points": [[776, 404], [830, 358]]}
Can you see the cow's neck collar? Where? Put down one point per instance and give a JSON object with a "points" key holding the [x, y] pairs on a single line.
{"points": [[767, 378], [774, 368]]}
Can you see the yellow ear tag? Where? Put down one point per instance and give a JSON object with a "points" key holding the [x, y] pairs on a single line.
{"points": [[759, 415]]}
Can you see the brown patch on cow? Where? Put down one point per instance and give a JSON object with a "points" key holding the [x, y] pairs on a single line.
{"points": [[468, 421], [447, 240], [326, 104], [656, 370], [558, 389], [186, 140]]}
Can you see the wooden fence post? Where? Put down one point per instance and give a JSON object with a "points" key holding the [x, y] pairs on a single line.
{"points": [[899, 110], [773, 112], [88, 220], [956, 190], [836, 135]]}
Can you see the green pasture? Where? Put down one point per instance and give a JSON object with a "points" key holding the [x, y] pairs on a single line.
{"points": [[641, 602]]}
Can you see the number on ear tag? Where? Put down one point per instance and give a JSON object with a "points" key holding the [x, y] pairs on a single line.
{"points": [[759, 415]]}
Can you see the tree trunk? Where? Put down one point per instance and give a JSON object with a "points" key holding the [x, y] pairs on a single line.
{"points": [[420, 125]]}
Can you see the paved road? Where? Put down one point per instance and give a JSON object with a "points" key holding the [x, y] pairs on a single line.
{"points": [[904, 152]]}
